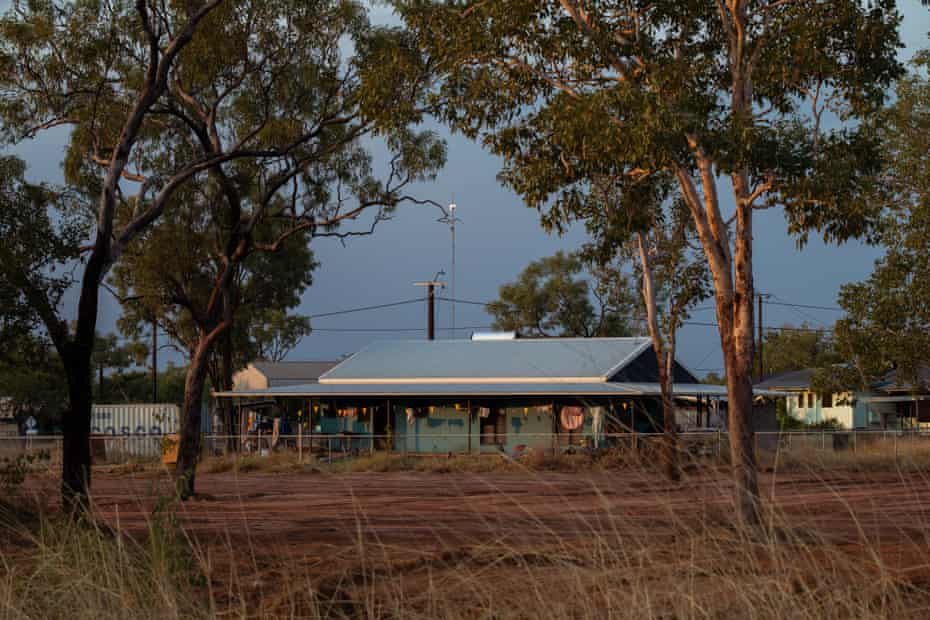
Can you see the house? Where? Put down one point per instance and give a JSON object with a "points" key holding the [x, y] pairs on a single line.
{"points": [[848, 409], [899, 404], [263, 375], [888, 403], [486, 394]]}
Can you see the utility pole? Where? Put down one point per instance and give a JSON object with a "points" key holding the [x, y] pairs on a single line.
{"points": [[450, 219], [431, 303], [154, 361]]}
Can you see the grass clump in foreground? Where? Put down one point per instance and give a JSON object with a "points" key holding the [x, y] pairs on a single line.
{"points": [[592, 562]]}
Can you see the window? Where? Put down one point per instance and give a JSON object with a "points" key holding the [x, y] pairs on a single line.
{"points": [[802, 400], [827, 399]]}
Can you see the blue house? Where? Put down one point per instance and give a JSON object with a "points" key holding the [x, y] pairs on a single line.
{"points": [[486, 395]]}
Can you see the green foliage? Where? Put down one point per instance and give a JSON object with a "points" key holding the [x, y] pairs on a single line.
{"points": [[787, 422], [135, 386], [31, 377], [622, 88], [713, 378], [887, 322], [552, 298], [793, 348], [41, 231]]}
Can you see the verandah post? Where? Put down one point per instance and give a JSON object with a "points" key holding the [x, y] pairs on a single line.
{"points": [[468, 405]]}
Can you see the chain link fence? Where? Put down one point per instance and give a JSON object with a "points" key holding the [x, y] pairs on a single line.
{"points": [[772, 448]]}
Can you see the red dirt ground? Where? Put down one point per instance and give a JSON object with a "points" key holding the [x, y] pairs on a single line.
{"points": [[302, 512]]}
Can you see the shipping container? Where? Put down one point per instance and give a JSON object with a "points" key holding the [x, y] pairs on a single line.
{"points": [[135, 419]]}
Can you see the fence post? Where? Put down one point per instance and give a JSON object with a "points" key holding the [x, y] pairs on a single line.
{"points": [[719, 447], [855, 442], [895, 448], [329, 448], [823, 439], [300, 442]]}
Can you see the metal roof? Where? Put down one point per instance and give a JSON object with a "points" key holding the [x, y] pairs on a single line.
{"points": [[545, 360], [324, 390], [292, 373], [791, 380]]}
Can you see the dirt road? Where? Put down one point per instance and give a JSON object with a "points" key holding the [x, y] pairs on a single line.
{"points": [[417, 509]]}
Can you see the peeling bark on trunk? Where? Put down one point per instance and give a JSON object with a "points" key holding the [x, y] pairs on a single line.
{"points": [[191, 416]]}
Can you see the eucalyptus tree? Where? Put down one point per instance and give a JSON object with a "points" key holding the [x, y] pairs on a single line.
{"points": [[887, 321], [731, 98], [552, 297], [98, 68], [643, 226], [316, 85], [158, 96]]}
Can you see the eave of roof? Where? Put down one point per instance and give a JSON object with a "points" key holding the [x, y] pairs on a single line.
{"points": [[322, 390]]}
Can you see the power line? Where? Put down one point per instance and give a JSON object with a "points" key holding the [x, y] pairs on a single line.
{"points": [[484, 304], [808, 306], [393, 329], [464, 301], [365, 308]]}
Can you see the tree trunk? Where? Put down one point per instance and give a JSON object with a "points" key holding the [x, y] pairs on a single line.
{"points": [[229, 412], [669, 439], [665, 356], [75, 465], [191, 417], [739, 363]]}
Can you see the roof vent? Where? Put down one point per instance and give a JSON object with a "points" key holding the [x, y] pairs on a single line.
{"points": [[494, 336]]}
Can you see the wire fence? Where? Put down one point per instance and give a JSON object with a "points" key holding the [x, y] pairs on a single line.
{"points": [[712, 445]]}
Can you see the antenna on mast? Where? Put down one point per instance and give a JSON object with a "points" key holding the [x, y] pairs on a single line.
{"points": [[450, 219]]}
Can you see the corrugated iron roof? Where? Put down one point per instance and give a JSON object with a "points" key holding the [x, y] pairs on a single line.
{"points": [[324, 390], [292, 373], [571, 360], [791, 380]]}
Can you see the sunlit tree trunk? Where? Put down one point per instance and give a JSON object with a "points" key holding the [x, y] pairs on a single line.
{"points": [[664, 350]]}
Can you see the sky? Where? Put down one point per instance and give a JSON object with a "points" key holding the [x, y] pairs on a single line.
{"points": [[496, 239]]}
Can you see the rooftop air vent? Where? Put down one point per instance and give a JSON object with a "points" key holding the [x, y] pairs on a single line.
{"points": [[494, 336]]}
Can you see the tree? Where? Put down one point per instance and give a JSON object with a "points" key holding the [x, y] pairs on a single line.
{"points": [[30, 378], [887, 322], [552, 298], [644, 225], [159, 95], [241, 240], [109, 354], [710, 93], [797, 348], [275, 333], [99, 68]]}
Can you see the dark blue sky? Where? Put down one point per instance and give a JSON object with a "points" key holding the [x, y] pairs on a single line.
{"points": [[496, 240]]}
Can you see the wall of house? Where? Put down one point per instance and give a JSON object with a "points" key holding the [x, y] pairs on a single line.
{"points": [[442, 430], [446, 429], [848, 410], [527, 427], [250, 379]]}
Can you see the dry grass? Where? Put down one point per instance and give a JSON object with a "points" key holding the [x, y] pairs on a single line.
{"points": [[667, 566], [381, 462], [865, 454], [670, 567]]}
